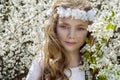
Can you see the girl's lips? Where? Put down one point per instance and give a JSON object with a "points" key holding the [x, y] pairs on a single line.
{"points": [[70, 43]]}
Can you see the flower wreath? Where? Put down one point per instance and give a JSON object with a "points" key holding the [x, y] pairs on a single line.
{"points": [[74, 13]]}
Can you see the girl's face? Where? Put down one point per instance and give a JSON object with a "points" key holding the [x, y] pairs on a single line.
{"points": [[72, 33]]}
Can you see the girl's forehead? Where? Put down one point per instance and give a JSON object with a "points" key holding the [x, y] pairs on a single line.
{"points": [[72, 21]]}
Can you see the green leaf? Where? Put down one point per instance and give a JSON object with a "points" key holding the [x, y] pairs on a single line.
{"points": [[102, 77], [93, 60], [113, 13], [100, 55], [87, 55], [106, 18], [105, 40], [98, 46], [110, 18], [95, 69], [87, 41], [110, 26]]}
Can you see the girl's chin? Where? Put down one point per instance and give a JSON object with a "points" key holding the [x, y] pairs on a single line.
{"points": [[71, 49]]}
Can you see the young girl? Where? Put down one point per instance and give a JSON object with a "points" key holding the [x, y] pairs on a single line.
{"points": [[65, 36]]}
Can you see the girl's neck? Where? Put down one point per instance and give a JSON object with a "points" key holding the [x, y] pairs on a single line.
{"points": [[75, 59]]}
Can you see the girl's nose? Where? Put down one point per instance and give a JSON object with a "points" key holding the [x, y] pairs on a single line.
{"points": [[71, 34]]}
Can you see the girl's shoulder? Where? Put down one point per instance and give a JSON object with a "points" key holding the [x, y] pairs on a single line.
{"points": [[36, 68], [39, 58]]}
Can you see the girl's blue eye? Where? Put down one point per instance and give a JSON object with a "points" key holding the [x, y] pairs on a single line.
{"points": [[64, 27], [81, 29]]}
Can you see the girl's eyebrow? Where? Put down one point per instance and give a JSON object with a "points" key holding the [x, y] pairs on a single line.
{"points": [[80, 25], [61, 22]]}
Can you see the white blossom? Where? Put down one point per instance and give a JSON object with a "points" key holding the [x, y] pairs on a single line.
{"points": [[21, 33]]}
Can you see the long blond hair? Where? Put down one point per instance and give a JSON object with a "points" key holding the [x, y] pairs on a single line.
{"points": [[55, 58]]}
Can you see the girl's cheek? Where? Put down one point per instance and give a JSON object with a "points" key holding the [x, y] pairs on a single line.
{"points": [[82, 34]]}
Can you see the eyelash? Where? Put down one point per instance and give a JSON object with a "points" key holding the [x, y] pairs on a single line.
{"points": [[80, 29], [65, 27]]}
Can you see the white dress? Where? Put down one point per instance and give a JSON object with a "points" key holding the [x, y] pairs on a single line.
{"points": [[35, 72]]}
